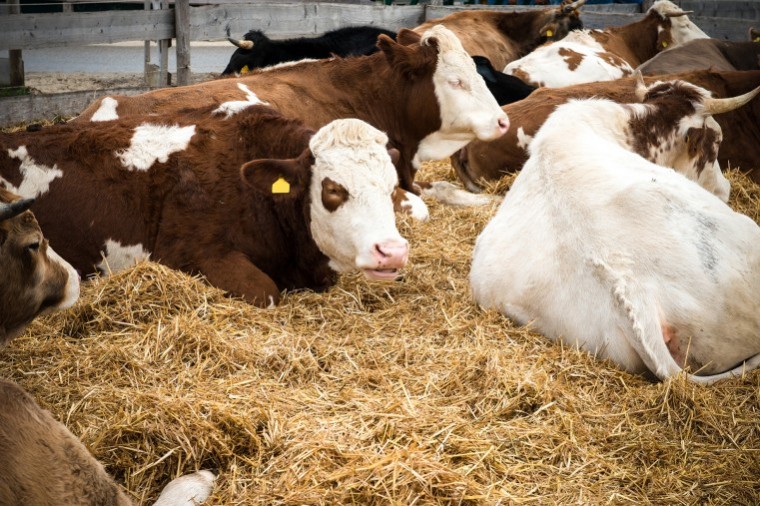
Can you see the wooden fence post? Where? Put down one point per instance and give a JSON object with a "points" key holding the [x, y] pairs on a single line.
{"points": [[182, 34], [15, 60]]}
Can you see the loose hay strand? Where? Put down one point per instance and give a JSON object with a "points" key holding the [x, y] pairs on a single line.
{"points": [[370, 393]]}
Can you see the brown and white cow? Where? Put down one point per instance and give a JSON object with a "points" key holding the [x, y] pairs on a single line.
{"points": [[302, 208], [427, 96], [707, 54], [586, 56], [489, 161], [41, 462], [502, 36]]}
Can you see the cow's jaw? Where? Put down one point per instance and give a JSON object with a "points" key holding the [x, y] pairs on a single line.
{"points": [[71, 291], [468, 110], [359, 233]]}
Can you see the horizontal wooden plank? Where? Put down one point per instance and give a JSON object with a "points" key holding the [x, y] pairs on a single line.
{"points": [[279, 21], [439, 11], [719, 28], [32, 31], [30, 108]]}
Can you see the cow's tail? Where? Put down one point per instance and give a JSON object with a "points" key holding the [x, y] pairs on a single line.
{"points": [[642, 313], [452, 195]]}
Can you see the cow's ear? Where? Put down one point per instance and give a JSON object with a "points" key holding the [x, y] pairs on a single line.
{"points": [[408, 37], [280, 178], [548, 31], [412, 61]]}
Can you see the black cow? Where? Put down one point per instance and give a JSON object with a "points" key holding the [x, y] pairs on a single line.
{"points": [[505, 88], [256, 50]]}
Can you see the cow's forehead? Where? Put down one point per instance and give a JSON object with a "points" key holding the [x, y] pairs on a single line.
{"points": [[352, 152], [450, 50]]}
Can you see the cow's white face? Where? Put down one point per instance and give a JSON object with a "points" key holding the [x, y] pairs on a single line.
{"points": [[352, 182], [681, 29], [698, 139], [689, 144], [468, 109]]}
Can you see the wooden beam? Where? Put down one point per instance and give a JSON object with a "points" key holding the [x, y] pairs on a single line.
{"points": [[15, 59], [32, 31], [182, 29], [293, 20], [30, 108]]}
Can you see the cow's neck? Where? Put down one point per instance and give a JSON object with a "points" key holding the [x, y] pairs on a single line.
{"points": [[639, 40], [301, 264]]}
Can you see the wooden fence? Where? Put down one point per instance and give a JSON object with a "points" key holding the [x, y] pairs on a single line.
{"points": [[212, 20]]}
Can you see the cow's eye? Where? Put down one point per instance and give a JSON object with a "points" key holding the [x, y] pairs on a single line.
{"points": [[456, 83], [33, 247]]}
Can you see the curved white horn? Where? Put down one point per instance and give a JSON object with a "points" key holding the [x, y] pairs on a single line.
{"points": [[242, 44], [571, 7], [678, 14], [721, 105]]}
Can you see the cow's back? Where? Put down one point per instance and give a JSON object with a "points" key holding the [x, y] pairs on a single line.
{"points": [[480, 35], [492, 160]]}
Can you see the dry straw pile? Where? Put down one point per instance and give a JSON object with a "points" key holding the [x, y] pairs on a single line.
{"points": [[402, 393]]}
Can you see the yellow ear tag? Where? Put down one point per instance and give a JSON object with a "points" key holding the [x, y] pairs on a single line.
{"points": [[664, 44], [757, 39], [281, 186], [549, 33], [245, 69]]}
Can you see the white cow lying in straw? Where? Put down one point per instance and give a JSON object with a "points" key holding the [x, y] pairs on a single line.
{"points": [[629, 260]]}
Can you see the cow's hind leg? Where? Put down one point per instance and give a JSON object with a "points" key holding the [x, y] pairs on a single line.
{"points": [[236, 275]]}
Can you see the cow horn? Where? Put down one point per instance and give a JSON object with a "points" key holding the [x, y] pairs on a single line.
{"points": [[242, 44], [721, 105], [678, 14], [11, 209], [571, 7], [640, 92]]}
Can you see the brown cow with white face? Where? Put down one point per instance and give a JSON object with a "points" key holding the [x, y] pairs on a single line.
{"points": [[502, 36], [426, 95], [586, 56], [303, 208], [41, 462], [489, 161]]}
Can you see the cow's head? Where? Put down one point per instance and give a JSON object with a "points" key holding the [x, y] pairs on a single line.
{"points": [[33, 278], [674, 26], [249, 54], [675, 128], [561, 21], [467, 109], [347, 179]]}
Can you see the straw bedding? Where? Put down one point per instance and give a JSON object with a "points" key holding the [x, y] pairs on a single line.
{"points": [[372, 393]]}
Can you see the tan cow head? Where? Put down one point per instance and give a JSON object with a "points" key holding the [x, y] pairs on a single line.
{"points": [[33, 278]]}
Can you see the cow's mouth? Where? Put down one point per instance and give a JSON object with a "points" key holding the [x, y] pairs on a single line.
{"points": [[381, 274]]}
